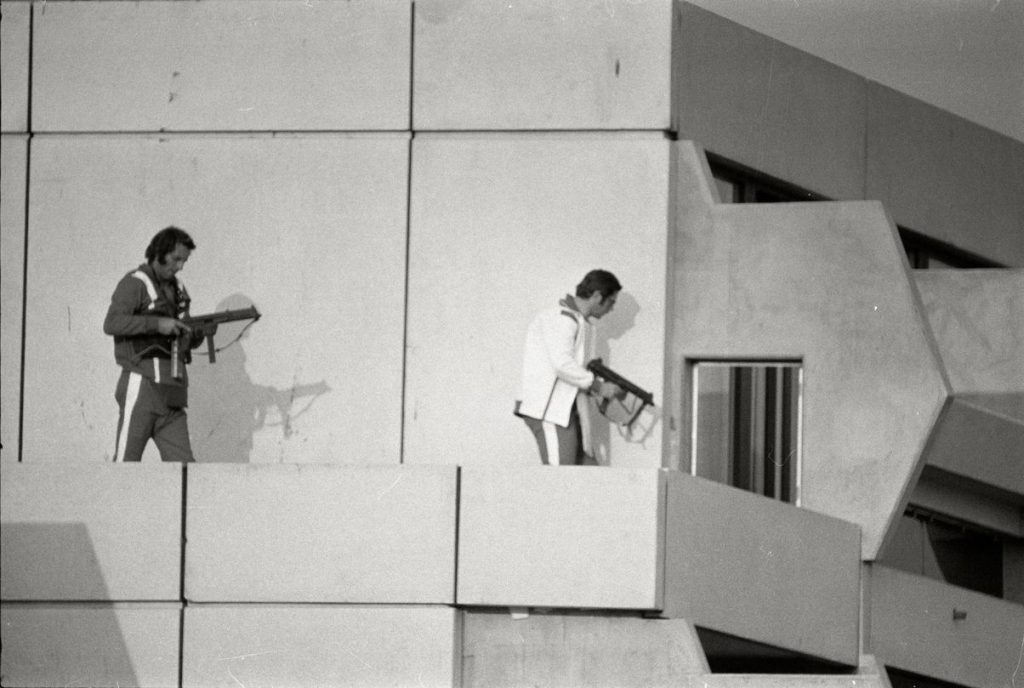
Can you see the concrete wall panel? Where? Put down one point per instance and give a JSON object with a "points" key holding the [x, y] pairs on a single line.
{"points": [[825, 283], [320, 646], [549, 649], [977, 317], [319, 533], [14, 59], [913, 627], [214, 66], [555, 649], [539, 65], [751, 575], [91, 532], [13, 171], [503, 226], [571, 536], [95, 645], [311, 230], [764, 104], [946, 177]]}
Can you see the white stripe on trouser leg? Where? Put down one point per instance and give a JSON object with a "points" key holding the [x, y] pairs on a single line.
{"points": [[131, 397], [551, 442]]}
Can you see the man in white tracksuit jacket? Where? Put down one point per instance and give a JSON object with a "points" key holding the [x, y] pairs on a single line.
{"points": [[554, 374]]}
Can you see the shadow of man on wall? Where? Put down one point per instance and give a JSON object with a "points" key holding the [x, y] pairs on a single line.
{"points": [[612, 327], [227, 408]]}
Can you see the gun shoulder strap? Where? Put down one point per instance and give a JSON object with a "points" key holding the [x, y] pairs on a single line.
{"points": [[150, 287]]}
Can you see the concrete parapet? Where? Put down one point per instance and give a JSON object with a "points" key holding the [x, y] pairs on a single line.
{"points": [[950, 633], [576, 537], [559, 649], [768, 572], [96, 645], [90, 532], [320, 533], [317, 645]]}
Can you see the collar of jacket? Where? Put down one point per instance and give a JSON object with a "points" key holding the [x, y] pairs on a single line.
{"points": [[570, 302]]}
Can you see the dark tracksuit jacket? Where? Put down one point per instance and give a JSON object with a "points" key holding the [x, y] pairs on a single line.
{"points": [[150, 398]]}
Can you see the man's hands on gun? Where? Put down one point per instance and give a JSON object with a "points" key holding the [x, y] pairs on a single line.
{"points": [[171, 327], [606, 390]]}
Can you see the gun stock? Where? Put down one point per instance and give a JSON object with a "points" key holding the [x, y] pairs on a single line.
{"points": [[208, 323]]}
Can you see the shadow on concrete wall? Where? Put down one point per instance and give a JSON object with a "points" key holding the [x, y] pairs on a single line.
{"points": [[611, 327], [58, 628], [227, 409]]}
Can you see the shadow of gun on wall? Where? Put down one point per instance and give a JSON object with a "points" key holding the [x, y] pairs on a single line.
{"points": [[227, 408], [284, 402]]}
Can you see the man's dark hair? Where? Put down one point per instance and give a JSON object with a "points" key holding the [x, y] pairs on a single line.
{"points": [[598, 280], [165, 241]]}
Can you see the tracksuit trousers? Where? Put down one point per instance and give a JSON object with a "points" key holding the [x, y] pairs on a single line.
{"points": [[144, 414]]}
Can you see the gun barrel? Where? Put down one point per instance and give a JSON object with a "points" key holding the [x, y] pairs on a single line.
{"points": [[598, 368], [219, 317]]}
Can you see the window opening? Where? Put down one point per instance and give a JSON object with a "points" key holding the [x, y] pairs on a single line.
{"points": [[741, 184], [746, 425], [954, 551]]}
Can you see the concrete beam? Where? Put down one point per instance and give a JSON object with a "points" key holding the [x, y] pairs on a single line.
{"points": [[759, 569]]}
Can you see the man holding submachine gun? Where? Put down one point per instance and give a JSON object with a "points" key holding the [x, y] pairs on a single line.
{"points": [[555, 380], [154, 336]]}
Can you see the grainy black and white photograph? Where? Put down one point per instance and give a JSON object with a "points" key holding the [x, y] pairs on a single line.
{"points": [[512, 343]]}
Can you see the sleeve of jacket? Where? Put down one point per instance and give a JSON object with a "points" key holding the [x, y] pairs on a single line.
{"points": [[560, 342], [125, 316]]}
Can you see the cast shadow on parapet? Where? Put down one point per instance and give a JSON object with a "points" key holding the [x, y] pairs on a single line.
{"points": [[614, 326], [46, 641], [227, 409]]}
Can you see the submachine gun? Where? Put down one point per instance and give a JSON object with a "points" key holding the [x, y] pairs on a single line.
{"points": [[207, 325], [645, 398]]}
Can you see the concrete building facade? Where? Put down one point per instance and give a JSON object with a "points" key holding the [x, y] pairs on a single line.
{"points": [[398, 187]]}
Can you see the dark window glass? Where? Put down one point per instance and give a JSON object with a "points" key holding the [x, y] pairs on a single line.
{"points": [[906, 679], [746, 418], [949, 550], [740, 184]]}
